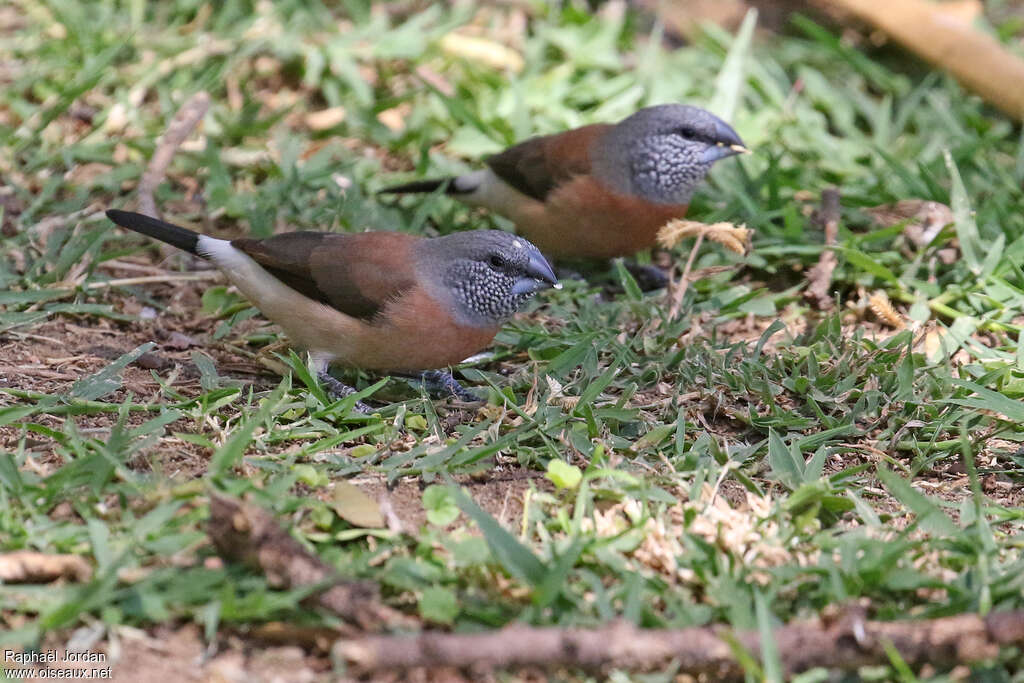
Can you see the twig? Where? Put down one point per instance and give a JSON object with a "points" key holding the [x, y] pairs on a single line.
{"points": [[249, 534], [736, 238], [180, 127], [820, 276], [679, 288], [974, 58], [115, 264], [142, 280], [848, 643]]}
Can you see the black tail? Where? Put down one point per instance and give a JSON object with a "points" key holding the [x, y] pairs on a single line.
{"points": [[156, 228], [450, 185]]}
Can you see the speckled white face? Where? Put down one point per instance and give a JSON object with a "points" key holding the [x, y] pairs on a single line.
{"points": [[488, 274], [662, 153], [667, 168]]}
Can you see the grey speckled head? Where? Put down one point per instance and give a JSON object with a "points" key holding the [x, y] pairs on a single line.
{"points": [[662, 153], [484, 275]]}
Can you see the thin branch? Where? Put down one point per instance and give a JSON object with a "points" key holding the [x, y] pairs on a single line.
{"points": [[246, 533], [736, 238], [848, 643], [146, 279], [820, 276], [187, 118], [979, 61], [115, 264], [678, 289]]}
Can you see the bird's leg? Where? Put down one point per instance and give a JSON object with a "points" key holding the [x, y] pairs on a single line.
{"points": [[336, 390], [440, 383], [648, 277]]}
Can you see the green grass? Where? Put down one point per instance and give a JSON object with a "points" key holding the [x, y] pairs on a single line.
{"points": [[881, 469]]}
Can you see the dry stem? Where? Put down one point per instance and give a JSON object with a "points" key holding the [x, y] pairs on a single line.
{"points": [[190, 114]]}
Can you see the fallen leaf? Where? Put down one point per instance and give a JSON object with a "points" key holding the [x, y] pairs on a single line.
{"points": [[933, 343], [24, 566], [179, 341], [86, 175], [325, 118], [117, 118], [394, 118], [436, 80], [355, 507], [152, 361], [482, 51], [925, 218], [238, 156]]}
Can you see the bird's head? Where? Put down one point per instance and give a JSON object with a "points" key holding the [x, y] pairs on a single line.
{"points": [[485, 275], [662, 153]]}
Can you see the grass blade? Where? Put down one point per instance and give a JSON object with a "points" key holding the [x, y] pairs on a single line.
{"points": [[963, 218], [107, 380], [730, 79], [515, 557]]}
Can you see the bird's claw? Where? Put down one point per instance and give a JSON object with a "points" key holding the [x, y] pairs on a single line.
{"points": [[338, 390], [441, 384]]}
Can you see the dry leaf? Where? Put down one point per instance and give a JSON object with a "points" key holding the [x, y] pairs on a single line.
{"points": [[86, 175], [394, 118], [239, 156], [482, 51], [355, 507], [179, 341], [733, 237], [925, 218], [117, 119], [436, 80], [25, 566], [933, 344], [325, 119]]}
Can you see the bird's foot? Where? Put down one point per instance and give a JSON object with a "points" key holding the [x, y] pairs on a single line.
{"points": [[441, 384], [648, 277], [337, 390]]}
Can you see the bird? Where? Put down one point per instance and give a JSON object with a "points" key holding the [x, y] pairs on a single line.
{"points": [[382, 301], [600, 191]]}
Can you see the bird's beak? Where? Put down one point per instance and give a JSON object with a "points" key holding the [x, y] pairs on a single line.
{"points": [[721, 150], [539, 276], [727, 143], [726, 136]]}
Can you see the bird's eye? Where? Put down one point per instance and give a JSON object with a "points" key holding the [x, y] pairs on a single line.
{"points": [[688, 132], [495, 261]]}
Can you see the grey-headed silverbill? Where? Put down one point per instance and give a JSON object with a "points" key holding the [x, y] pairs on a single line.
{"points": [[602, 190], [383, 301]]}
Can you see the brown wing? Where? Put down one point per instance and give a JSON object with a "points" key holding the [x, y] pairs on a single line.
{"points": [[536, 167], [355, 274]]}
